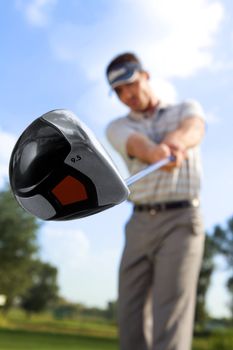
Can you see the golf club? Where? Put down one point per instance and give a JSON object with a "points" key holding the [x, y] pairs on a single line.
{"points": [[59, 171]]}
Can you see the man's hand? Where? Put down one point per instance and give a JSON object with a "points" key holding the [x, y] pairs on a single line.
{"points": [[162, 151], [159, 152], [188, 134], [178, 150]]}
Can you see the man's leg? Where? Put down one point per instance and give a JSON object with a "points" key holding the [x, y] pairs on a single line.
{"points": [[134, 282], [148, 319], [177, 266]]}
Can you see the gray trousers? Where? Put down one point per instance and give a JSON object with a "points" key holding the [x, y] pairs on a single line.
{"points": [[162, 254]]}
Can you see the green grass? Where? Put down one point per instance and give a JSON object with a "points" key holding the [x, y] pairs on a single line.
{"points": [[21, 340], [43, 332], [45, 322], [218, 340]]}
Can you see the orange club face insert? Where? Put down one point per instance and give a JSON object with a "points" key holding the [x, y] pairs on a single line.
{"points": [[69, 191]]}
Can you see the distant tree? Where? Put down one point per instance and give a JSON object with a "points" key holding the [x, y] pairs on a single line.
{"points": [[67, 310], [230, 289], [94, 312], [224, 242], [43, 291], [207, 269], [18, 247], [111, 311]]}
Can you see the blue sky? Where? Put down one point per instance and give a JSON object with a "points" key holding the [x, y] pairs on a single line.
{"points": [[54, 54]]}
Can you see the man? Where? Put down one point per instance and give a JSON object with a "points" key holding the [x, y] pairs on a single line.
{"points": [[165, 235]]}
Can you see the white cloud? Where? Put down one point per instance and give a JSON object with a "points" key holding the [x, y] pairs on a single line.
{"points": [[82, 270], [36, 12], [7, 144], [172, 38], [188, 34]]}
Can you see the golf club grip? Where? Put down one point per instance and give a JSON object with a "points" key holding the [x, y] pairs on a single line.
{"points": [[149, 169]]}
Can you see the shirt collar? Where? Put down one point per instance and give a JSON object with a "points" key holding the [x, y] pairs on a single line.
{"points": [[141, 115]]}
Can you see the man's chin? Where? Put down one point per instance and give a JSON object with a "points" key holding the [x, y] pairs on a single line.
{"points": [[137, 107]]}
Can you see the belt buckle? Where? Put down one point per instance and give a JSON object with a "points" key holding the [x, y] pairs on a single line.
{"points": [[195, 203], [152, 211]]}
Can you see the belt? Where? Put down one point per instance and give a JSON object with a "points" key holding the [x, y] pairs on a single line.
{"points": [[157, 207]]}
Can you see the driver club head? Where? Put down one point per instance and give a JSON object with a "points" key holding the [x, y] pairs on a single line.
{"points": [[59, 171]]}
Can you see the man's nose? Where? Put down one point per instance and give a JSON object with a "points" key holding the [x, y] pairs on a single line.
{"points": [[128, 93]]}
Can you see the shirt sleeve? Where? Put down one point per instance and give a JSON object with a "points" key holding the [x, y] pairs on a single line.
{"points": [[192, 108], [118, 132]]}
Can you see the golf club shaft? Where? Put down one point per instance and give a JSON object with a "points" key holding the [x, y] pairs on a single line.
{"points": [[149, 169]]}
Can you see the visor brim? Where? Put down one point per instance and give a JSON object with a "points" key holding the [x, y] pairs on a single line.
{"points": [[125, 79]]}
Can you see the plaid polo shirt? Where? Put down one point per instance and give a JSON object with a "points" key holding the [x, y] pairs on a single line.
{"points": [[160, 186]]}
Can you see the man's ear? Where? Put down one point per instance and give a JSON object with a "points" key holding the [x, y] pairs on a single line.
{"points": [[146, 74]]}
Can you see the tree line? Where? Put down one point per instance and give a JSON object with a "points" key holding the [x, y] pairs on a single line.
{"points": [[218, 243], [32, 283], [24, 278]]}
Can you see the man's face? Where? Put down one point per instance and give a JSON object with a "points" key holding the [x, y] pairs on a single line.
{"points": [[136, 95]]}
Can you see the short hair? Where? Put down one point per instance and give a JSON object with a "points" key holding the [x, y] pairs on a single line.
{"points": [[122, 58]]}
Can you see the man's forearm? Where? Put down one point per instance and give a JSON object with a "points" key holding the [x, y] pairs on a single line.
{"points": [[141, 147], [189, 134]]}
